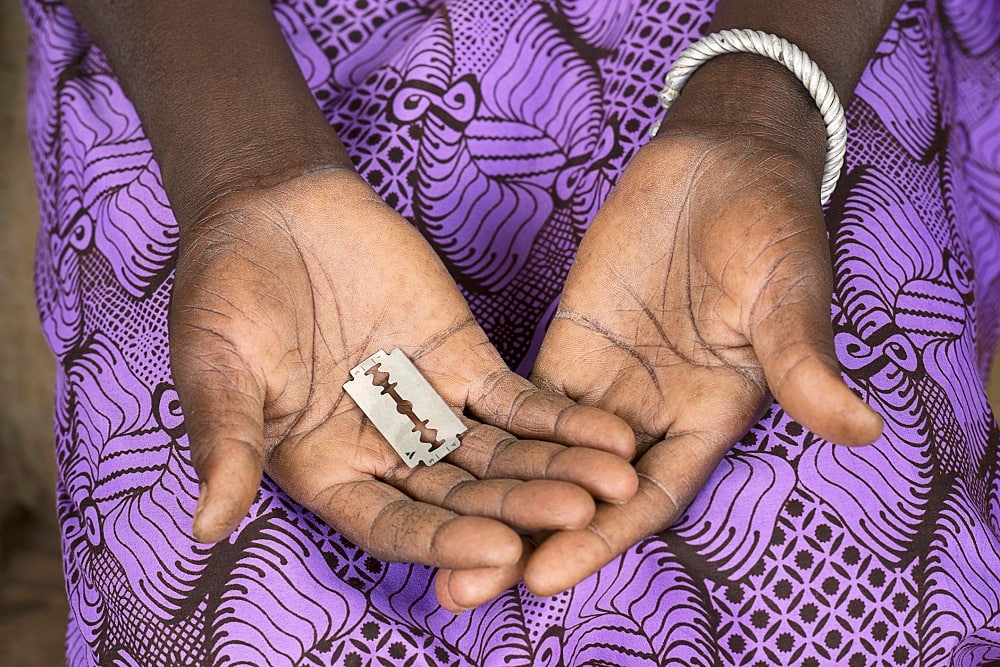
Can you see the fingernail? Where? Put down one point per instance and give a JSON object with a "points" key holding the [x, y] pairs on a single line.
{"points": [[199, 508]]}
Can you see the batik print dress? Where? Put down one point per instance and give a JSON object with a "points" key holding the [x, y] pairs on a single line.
{"points": [[497, 127]]}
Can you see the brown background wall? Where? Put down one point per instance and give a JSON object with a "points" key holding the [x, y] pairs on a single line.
{"points": [[32, 601], [26, 368]]}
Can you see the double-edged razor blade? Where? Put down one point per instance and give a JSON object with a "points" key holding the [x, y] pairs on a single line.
{"points": [[404, 407]]}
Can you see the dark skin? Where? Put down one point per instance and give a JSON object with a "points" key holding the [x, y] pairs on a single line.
{"points": [[678, 348], [689, 341], [274, 302]]}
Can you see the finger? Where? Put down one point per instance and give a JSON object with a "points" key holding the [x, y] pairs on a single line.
{"points": [[389, 525], [224, 418], [460, 590], [508, 401], [793, 339], [670, 475], [528, 506], [490, 453]]}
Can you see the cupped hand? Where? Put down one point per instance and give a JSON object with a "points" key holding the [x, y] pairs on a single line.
{"points": [[702, 288], [279, 293]]}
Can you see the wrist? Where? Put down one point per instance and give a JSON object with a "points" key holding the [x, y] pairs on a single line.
{"points": [[219, 93], [210, 168], [750, 95]]}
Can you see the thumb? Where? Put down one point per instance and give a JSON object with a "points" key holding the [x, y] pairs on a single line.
{"points": [[793, 340], [459, 590], [223, 413]]}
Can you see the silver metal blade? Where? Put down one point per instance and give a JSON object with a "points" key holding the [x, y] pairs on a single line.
{"points": [[405, 407]]}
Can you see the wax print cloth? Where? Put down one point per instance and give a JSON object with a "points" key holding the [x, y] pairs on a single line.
{"points": [[498, 127]]}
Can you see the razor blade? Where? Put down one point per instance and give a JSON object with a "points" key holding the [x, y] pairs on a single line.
{"points": [[404, 407]]}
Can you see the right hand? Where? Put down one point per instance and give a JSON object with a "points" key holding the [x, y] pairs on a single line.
{"points": [[279, 292], [701, 291]]}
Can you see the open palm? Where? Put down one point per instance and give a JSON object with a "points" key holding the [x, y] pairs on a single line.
{"points": [[279, 293], [702, 287]]}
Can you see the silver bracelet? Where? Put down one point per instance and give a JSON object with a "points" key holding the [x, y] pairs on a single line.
{"points": [[782, 51]]}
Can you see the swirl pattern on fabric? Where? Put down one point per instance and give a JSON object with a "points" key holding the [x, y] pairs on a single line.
{"points": [[498, 128]]}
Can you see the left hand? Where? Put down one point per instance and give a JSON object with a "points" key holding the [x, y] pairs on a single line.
{"points": [[279, 291], [702, 287]]}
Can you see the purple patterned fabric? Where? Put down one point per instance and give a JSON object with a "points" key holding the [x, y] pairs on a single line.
{"points": [[498, 127]]}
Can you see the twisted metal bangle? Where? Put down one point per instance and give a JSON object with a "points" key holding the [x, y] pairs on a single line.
{"points": [[782, 51]]}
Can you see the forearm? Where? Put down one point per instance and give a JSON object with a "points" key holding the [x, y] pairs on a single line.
{"points": [[839, 36], [758, 95], [218, 92]]}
